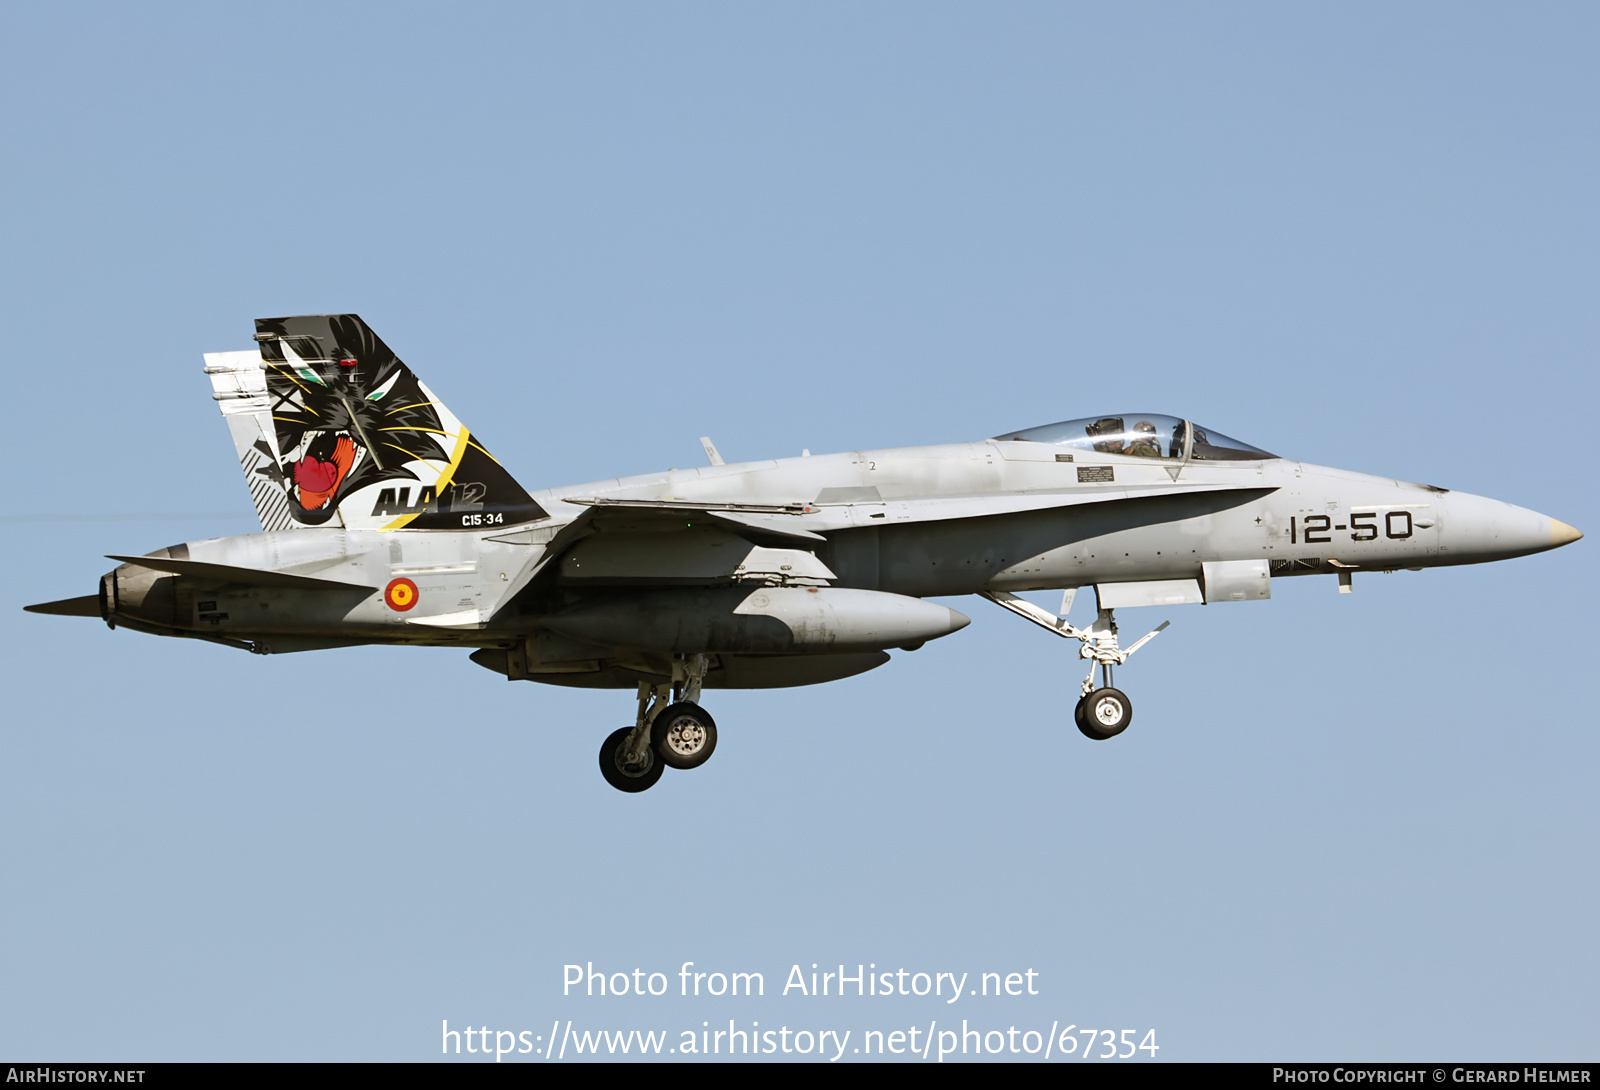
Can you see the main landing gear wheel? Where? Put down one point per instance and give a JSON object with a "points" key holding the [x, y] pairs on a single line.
{"points": [[1104, 713], [683, 735], [624, 777]]}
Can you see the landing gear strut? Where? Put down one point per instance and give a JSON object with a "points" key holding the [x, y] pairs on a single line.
{"points": [[671, 730], [1102, 712]]}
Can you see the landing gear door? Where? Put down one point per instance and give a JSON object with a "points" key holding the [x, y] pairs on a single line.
{"points": [[1236, 581]]}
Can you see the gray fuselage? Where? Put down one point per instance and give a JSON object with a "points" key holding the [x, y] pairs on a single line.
{"points": [[917, 522]]}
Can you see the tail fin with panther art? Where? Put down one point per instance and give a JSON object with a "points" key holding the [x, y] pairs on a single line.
{"points": [[332, 429]]}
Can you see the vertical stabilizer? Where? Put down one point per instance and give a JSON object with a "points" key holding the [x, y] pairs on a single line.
{"points": [[239, 384], [332, 429]]}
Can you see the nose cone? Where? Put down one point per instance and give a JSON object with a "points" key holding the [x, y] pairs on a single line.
{"points": [[1477, 528]]}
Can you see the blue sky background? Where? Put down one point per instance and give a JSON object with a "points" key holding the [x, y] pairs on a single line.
{"points": [[1358, 235]]}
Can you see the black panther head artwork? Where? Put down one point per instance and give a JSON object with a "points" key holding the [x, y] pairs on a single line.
{"points": [[347, 414]]}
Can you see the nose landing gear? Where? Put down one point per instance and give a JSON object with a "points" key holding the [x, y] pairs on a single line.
{"points": [[671, 731], [1102, 712]]}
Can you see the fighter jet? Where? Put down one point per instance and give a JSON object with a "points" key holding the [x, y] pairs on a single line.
{"points": [[385, 520]]}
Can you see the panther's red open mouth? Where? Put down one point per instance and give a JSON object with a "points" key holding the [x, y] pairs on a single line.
{"points": [[318, 480]]}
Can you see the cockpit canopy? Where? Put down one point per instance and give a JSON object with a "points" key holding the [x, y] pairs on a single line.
{"points": [[1142, 435]]}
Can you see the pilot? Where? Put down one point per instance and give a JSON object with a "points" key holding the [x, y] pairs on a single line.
{"points": [[1144, 443]]}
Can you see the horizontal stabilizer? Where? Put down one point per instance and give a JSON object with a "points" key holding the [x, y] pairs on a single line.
{"points": [[227, 573], [87, 606]]}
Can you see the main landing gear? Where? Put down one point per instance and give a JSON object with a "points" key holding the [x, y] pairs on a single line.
{"points": [[671, 731], [1102, 712]]}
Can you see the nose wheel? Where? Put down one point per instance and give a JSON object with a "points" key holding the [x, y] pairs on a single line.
{"points": [[1102, 712]]}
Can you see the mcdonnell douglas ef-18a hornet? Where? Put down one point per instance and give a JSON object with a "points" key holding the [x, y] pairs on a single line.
{"points": [[385, 520]]}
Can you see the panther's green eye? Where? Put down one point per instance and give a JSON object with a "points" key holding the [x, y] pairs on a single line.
{"points": [[383, 390]]}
